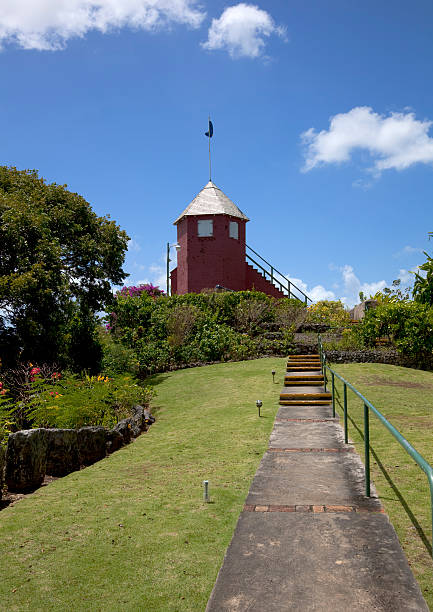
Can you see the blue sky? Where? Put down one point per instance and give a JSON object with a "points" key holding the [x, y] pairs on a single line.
{"points": [[322, 114]]}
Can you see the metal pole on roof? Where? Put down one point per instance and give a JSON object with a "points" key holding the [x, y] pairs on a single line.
{"points": [[210, 164], [209, 134]]}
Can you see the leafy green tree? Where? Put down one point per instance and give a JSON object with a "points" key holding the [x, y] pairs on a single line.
{"points": [[389, 295], [423, 285], [57, 262]]}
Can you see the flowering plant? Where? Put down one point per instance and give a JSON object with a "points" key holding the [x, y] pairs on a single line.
{"points": [[148, 288]]}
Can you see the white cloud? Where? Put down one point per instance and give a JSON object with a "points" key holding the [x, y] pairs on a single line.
{"points": [[397, 141], [408, 250], [348, 286], [49, 24], [406, 277], [316, 293], [158, 274], [242, 30], [352, 286], [133, 246]]}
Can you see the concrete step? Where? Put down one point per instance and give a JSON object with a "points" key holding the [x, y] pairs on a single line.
{"points": [[302, 368], [294, 361], [300, 364], [298, 376], [300, 402], [301, 383], [305, 396]]}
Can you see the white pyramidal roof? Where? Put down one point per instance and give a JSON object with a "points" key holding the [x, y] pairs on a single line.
{"points": [[212, 201]]}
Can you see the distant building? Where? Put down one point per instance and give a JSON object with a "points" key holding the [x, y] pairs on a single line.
{"points": [[211, 235], [358, 312]]}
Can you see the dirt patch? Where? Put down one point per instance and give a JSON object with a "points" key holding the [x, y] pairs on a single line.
{"points": [[9, 499], [377, 381], [414, 422]]}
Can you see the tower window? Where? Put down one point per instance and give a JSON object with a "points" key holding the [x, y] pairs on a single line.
{"points": [[234, 230], [205, 228]]}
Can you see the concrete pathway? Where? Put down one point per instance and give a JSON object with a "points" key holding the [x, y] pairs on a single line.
{"points": [[308, 539]]}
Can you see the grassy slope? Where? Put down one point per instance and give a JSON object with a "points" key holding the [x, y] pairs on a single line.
{"points": [[405, 397], [132, 532]]}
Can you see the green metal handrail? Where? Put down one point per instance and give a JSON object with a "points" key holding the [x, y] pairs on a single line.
{"points": [[419, 459], [271, 274]]}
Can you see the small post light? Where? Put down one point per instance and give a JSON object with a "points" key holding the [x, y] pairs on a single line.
{"points": [[259, 404], [206, 497], [273, 376]]}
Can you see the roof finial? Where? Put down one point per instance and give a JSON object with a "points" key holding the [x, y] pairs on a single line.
{"points": [[209, 134]]}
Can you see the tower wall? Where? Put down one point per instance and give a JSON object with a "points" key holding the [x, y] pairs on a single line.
{"points": [[204, 262]]}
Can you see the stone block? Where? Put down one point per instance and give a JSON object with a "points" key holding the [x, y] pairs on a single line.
{"points": [[113, 440], [62, 452], [128, 429], [91, 444], [142, 417], [26, 459]]}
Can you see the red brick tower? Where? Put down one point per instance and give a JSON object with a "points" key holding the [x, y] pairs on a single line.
{"points": [[211, 235]]}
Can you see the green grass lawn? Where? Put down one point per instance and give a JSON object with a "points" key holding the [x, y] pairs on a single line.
{"points": [[132, 532], [405, 397]]}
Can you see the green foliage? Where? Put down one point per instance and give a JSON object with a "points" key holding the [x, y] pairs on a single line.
{"points": [[250, 314], [116, 357], [192, 328], [153, 356], [328, 312], [40, 398], [290, 313], [389, 295], [5, 414], [423, 285], [75, 402], [82, 348], [216, 342], [57, 260], [181, 323], [408, 325], [350, 341]]}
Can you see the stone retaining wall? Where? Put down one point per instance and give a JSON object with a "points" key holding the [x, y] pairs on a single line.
{"points": [[389, 356], [34, 453]]}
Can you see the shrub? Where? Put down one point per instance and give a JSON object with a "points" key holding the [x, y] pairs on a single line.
{"points": [[250, 314], [213, 341], [181, 322], [328, 312], [423, 285], [148, 289], [153, 357], [93, 400], [408, 325], [167, 330], [69, 401], [351, 340], [290, 313], [116, 357]]}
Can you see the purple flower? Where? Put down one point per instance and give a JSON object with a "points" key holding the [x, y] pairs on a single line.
{"points": [[151, 290]]}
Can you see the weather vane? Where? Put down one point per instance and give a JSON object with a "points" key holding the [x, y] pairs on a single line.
{"points": [[209, 134]]}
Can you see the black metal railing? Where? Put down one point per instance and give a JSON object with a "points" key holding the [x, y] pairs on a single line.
{"points": [[278, 279]]}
